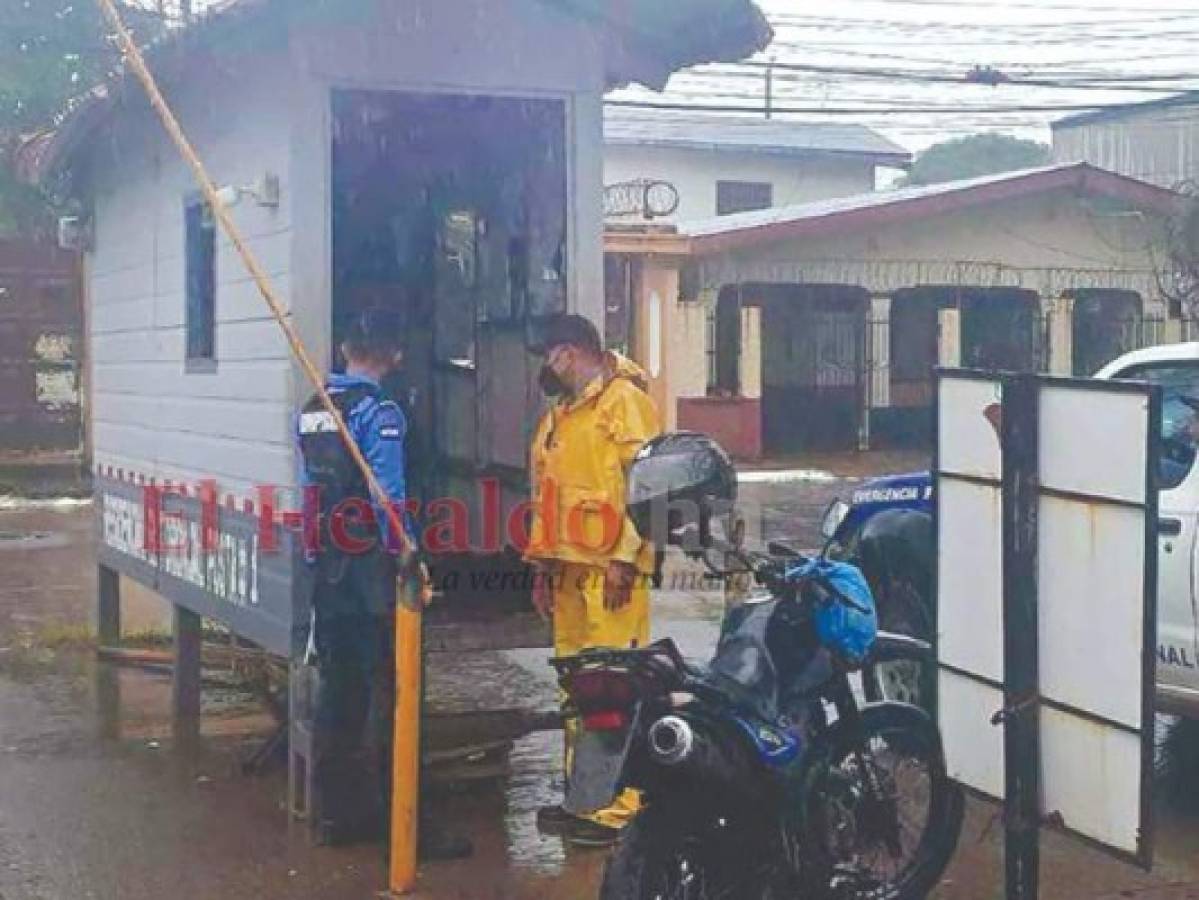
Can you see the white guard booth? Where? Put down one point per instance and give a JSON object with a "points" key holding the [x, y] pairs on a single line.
{"points": [[1046, 511]]}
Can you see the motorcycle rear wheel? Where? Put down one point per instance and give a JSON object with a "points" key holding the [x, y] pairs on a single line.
{"points": [[657, 859]]}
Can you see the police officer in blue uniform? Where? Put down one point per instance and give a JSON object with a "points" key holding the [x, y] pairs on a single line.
{"points": [[355, 564]]}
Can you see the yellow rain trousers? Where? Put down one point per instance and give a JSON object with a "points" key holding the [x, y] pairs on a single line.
{"points": [[580, 454], [580, 621]]}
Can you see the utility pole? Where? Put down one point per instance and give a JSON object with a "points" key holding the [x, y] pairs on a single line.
{"points": [[770, 89]]}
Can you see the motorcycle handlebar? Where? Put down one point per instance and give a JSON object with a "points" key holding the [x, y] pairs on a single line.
{"points": [[771, 572]]}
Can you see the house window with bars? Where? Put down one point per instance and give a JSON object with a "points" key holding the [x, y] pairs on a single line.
{"points": [[743, 196]]}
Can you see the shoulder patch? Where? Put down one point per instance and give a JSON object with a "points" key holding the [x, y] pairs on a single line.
{"points": [[391, 422]]}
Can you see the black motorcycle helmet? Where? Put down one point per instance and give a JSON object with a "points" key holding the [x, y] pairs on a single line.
{"points": [[679, 479]]}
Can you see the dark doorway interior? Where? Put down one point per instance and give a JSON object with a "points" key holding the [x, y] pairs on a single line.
{"points": [[1105, 324], [813, 366], [1001, 328], [622, 275], [726, 369], [451, 209]]}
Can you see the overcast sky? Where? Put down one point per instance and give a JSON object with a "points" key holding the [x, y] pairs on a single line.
{"points": [[1098, 51]]}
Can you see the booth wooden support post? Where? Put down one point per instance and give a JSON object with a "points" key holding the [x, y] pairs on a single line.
{"points": [[108, 632], [185, 682], [1021, 700], [108, 609]]}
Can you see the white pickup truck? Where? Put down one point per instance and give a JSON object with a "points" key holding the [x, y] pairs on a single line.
{"points": [[1176, 368], [904, 607]]}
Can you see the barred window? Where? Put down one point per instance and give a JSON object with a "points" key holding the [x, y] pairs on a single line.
{"points": [[743, 196]]}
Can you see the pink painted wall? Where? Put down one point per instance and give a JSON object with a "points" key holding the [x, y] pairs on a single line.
{"points": [[735, 422]]}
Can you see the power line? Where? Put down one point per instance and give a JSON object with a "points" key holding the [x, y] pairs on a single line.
{"points": [[1073, 40], [851, 110], [1030, 4], [1129, 83], [793, 20], [903, 54]]}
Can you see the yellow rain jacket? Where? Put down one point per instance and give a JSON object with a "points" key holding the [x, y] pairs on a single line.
{"points": [[580, 454]]}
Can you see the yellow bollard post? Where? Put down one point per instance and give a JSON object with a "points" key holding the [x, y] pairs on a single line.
{"points": [[405, 747]]}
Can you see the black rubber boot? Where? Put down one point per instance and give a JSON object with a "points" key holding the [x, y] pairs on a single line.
{"points": [[585, 833], [555, 819]]}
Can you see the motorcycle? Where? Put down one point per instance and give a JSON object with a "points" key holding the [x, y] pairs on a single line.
{"points": [[761, 775]]}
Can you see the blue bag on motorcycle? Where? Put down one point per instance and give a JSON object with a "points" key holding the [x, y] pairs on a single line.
{"points": [[842, 628]]}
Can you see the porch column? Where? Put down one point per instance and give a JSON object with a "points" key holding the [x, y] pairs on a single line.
{"points": [[655, 312], [687, 337], [749, 376], [877, 389], [949, 338], [1061, 336], [1172, 332]]}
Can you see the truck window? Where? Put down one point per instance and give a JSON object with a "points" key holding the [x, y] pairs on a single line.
{"points": [[1180, 416]]}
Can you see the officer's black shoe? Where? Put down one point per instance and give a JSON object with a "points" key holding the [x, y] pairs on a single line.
{"points": [[555, 819], [586, 833], [436, 844]]}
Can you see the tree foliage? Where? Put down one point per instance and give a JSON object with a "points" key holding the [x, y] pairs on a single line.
{"points": [[50, 51], [975, 155]]}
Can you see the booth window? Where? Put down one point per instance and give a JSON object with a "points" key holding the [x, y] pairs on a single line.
{"points": [[199, 237], [743, 196]]}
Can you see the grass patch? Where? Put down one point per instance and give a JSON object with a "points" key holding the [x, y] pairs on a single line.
{"points": [[65, 636]]}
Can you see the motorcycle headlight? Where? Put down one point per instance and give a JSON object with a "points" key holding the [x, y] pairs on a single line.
{"points": [[833, 517]]}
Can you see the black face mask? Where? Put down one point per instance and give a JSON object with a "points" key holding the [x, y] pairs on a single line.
{"points": [[551, 382]]}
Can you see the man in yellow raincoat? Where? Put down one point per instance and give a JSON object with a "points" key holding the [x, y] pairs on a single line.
{"points": [[593, 569]]}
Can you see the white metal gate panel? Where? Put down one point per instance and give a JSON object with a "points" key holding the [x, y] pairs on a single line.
{"points": [[1095, 502]]}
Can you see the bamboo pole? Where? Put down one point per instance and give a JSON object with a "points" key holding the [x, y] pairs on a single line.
{"points": [[416, 591]]}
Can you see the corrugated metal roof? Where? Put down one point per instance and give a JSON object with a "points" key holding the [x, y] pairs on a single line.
{"points": [[878, 207], [1124, 110], [657, 128]]}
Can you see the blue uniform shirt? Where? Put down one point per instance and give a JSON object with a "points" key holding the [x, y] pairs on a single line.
{"points": [[378, 427]]}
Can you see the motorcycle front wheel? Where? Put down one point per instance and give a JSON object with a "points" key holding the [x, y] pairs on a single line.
{"points": [[882, 815]]}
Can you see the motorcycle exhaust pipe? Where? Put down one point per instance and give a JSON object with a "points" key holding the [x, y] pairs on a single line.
{"points": [[671, 741], [674, 742]]}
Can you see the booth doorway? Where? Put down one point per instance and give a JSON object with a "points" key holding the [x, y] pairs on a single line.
{"points": [[452, 210]]}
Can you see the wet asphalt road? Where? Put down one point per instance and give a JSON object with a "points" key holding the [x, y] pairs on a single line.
{"points": [[96, 803]]}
